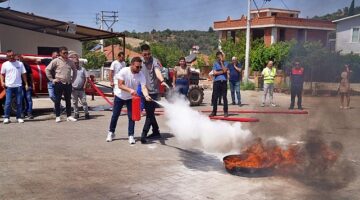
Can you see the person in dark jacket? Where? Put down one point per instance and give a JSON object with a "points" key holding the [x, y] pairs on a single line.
{"points": [[297, 81]]}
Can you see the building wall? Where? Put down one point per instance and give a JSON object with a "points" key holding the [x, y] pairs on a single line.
{"points": [[290, 33], [26, 42], [317, 35], [267, 36], [343, 36]]}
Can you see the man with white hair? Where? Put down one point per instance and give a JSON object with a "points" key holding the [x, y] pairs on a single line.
{"points": [[234, 80], [78, 86]]}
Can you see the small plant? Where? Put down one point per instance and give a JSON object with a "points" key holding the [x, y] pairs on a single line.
{"points": [[247, 86]]}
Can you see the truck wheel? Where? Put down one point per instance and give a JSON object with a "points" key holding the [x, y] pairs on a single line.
{"points": [[195, 95]]}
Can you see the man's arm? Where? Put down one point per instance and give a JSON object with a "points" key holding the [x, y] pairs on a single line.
{"points": [[74, 75], [111, 79], [122, 86], [2, 78], [49, 69], [160, 77], [86, 78], [25, 80], [145, 93]]}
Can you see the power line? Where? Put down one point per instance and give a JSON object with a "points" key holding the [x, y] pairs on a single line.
{"points": [[285, 4]]}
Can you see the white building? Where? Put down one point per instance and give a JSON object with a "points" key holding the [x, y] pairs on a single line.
{"points": [[348, 34], [27, 33]]}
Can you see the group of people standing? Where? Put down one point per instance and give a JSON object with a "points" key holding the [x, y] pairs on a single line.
{"points": [[223, 71], [66, 77]]}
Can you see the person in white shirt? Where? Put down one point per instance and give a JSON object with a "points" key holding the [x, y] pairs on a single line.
{"points": [[115, 67], [11, 73], [128, 80]]}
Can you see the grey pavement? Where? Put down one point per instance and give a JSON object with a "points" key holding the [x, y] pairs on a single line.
{"points": [[71, 160]]}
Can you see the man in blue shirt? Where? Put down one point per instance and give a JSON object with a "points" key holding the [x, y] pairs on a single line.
{"points": [[234, 80], [220, 83]]}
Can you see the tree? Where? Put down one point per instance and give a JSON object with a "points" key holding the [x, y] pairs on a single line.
{"points": [[211, 30], [352, 8], [167, 54], [114, 41], [95, 60]]}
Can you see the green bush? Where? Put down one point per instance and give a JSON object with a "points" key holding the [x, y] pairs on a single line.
{"points": [[247, 86], [95, 60]]}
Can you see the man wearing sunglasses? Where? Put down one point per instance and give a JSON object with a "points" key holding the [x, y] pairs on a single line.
{"points": [[128, 80], [11, 73], [151, 70], [59, 72]]}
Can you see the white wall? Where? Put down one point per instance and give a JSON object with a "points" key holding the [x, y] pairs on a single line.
{"points": [[343, 36], [26, 42]]}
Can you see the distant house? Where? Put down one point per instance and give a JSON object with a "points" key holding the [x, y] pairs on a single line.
{"points": [[348, 34], [275, 25], [110, 56]]}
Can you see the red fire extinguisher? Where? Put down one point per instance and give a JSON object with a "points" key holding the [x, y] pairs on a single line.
{"points": [[136, 108]]}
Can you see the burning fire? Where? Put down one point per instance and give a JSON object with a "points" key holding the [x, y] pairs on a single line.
{"points": [[270, 155]]}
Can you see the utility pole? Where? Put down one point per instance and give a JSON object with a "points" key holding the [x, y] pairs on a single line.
{"points": [[247, 49], [107, 18]]}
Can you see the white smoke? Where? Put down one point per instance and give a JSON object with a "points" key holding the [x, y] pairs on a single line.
{"points": [[194, 129]]}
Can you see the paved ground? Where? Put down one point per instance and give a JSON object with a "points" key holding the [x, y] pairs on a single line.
{"points": [[43, 160]]}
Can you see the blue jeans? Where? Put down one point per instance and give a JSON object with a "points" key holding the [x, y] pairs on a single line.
{"points": [[51, 91], [182, 86], [17, 91], [118, 104], [235, 88], [28, 101]]}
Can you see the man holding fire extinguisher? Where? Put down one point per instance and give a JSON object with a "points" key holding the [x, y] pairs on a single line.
{"points": [[128, 80]]}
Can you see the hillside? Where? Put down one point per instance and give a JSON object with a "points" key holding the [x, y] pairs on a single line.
{"points": [[340, 13], [184, 40]]}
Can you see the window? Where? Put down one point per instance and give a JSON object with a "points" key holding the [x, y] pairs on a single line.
{"points": [[355, 35]]}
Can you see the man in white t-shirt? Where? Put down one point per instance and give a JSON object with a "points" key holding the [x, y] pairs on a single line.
{"points": [[115, 67], [11, 73], [128, 80]]}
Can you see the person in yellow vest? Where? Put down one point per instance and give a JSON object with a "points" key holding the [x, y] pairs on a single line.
{"points": [[268, 73]]}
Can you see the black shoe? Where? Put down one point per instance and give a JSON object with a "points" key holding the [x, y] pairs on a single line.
{"points": [[87, 116], [226, 114], [30, 116], [240, 104], [154, 136], [233, 103], [291, 108], [212, 114], [143, 140], [76, 116], [300, 108]]}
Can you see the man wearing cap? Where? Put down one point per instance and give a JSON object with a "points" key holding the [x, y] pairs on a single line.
{"points": [[234, 80], [297, 81]]}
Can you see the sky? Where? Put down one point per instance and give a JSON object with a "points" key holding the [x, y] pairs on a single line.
{"points": [[146, 15]]}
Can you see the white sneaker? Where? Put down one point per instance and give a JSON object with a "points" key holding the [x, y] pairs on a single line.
{"points": [[110, 136], [58, 119], [6, 121], [131, 140], [273, 105], [262, 105], [71, 119], [20, 120]]}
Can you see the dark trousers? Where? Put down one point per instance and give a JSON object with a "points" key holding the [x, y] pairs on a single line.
{"points": [[219, 89], [296, 90], [118, 104], [150, 117], [62, 89], [28, 101]]}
